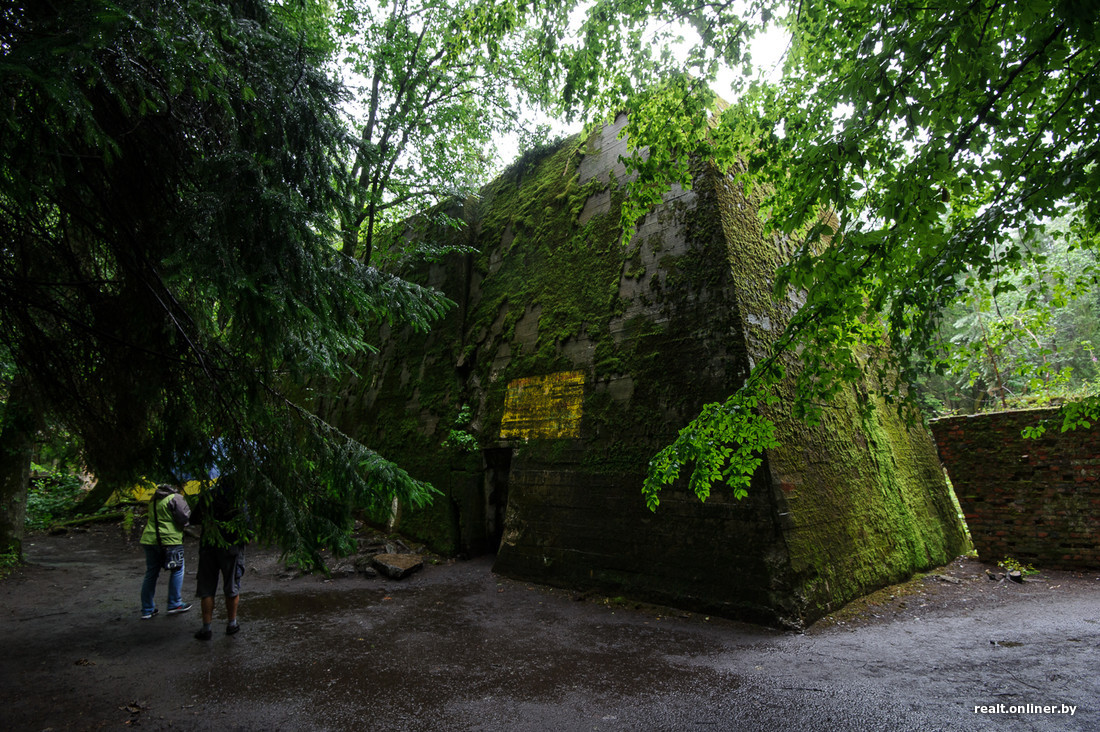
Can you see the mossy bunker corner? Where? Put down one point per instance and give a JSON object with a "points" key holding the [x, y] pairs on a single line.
{"points": [[571, 359]]}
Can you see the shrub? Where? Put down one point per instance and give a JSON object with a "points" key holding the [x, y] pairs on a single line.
{"points": [[8, 561], [50, 496]]}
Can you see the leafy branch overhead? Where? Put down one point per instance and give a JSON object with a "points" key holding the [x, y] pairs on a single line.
{"points": [[940, 138]]}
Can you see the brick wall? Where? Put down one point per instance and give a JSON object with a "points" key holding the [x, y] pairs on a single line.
{"points": [[1037, 501]]}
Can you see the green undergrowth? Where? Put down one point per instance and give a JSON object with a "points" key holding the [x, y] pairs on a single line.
{"points": [[9, 560], [51, 497]]}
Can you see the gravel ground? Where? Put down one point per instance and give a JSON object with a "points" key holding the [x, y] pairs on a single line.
{"points": [[455, 647]]}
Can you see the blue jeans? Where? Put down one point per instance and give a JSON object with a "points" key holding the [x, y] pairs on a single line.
{"points": [[149, 585]]}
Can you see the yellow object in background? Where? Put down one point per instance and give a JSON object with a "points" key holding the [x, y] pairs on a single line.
{"points": [[144, 490]]}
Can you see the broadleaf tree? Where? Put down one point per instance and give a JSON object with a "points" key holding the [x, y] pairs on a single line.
{"points": [[1026, 338], [434, 84], [906, 147]]}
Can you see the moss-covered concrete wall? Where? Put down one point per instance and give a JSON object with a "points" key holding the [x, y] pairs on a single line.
{"points": [[1034, 500], [571, 359], [862, 498]]}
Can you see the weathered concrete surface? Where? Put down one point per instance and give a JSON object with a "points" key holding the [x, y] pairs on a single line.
{"points": [[457, 648], [572, 358]]}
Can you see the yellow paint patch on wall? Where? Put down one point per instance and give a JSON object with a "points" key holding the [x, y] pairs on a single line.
{"points": [[544, 406]]}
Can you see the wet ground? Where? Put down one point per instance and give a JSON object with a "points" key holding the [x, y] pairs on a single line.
{"points": [[455, 647]]}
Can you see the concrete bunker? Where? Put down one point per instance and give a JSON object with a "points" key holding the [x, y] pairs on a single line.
{"points": [[571, 359]]}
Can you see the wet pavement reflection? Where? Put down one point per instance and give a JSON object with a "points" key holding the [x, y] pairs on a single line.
{"points": [[456, 647]]}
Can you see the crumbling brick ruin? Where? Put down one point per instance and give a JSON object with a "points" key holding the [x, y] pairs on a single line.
{"points": [[1036, 501]]}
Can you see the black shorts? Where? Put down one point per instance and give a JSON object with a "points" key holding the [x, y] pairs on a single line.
{"points": [[225, 561]]}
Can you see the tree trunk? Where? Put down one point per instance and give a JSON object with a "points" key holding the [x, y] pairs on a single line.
{"points": [[16, 445], [349, 232], [97, 497]]}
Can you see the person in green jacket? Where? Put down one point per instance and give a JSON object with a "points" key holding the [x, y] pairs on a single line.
{"points": [[168, 514]]}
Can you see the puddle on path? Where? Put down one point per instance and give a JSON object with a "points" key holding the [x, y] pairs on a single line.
{"points": [[291, 605]]}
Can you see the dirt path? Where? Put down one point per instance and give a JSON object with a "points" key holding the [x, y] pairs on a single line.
{"points": [[455, 647]]}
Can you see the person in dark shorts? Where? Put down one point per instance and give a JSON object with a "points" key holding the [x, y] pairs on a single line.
{"points": [[226, 530]]}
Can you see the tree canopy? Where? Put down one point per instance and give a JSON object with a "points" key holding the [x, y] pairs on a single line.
{"points": [[168, 190], [432, 85], [1034, 343], [941, 137], [189, 214], [939, 140]]}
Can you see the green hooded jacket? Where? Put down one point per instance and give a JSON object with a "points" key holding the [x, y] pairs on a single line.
{"points": [[170, 511]]}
